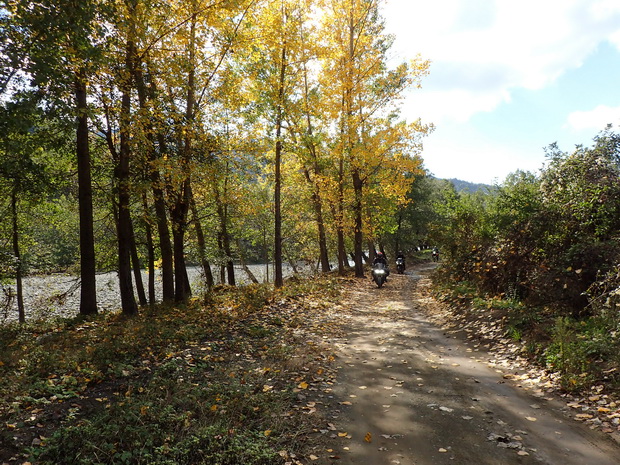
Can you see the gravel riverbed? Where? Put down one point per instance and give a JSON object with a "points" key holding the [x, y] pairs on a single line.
{"points": [[58, 295]]}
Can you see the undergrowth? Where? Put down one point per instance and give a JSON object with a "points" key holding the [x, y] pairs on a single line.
{"points": [[583, 352], [206, 383]]}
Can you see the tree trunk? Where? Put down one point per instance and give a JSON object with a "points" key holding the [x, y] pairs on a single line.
{"points": [[88, 293], [277, 249], [316, 191], [178, 216], [318, 215], [137, 268], [165, 247], [358, 234], [200, 239], [399, 228], [180, 208], [150, 251], [18, 259], [159, 202], [244, 265], [338, 213], [122, 174], [224, 236]]}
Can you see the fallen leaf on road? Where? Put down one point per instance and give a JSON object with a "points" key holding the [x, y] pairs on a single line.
{"points": [[368, 437], [442, 450], [531, 418]]}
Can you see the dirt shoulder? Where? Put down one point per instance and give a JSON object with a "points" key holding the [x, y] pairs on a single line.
{"points": [[413, 389]]}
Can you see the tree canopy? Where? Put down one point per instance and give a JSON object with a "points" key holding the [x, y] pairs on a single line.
{"points": [[213, 132]]}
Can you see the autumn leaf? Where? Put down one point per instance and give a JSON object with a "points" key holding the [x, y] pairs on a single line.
{"points": [[368, 437], [303, 385]]}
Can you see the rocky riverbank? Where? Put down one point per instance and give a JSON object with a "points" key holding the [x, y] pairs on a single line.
{"points": [[58, 295]]}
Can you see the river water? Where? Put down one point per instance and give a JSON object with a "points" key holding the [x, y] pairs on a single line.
{"points": [[58, 295]]}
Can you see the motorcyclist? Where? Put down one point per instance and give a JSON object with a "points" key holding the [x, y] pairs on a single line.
{"points": [[401, 255], [380, 258]]}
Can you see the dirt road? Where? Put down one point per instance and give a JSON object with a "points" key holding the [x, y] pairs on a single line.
{"points": [[410, 393]]}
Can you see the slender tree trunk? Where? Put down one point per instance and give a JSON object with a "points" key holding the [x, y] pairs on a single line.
{"points": [[179, 218], [159, 201], [137, 268], [244, 265], [224, 236], [88, 293], [165, 246], [150, 246], [312, 150], [128, 300], [181, 207], [399, 227], [200, 239], [351, 142], [358, 235], [277, 250], [318, 215], [18, 259], [338, 212]]}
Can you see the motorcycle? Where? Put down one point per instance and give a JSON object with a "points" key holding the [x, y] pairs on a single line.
{"points": [[379, 273], [400, 265]]}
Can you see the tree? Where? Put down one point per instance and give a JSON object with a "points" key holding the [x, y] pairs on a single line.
{"points": [[363, 92], [24, 169], [60, 40]]}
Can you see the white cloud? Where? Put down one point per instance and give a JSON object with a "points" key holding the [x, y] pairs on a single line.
{"points": [[595, 119], [482, 50]]}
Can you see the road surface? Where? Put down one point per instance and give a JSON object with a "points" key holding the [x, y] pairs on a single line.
{"points": [[408, 392]]}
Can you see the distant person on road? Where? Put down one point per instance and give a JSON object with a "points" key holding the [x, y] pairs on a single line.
{"points": [[435, 254], [401, 255]]}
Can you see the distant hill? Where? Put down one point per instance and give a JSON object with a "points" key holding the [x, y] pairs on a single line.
{"points": [[461, 186]]}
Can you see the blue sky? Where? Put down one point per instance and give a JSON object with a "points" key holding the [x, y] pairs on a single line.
{"points": [[508, 78]]}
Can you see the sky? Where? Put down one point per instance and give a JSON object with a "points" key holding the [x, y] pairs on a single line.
{"points": [[507, 79]]}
